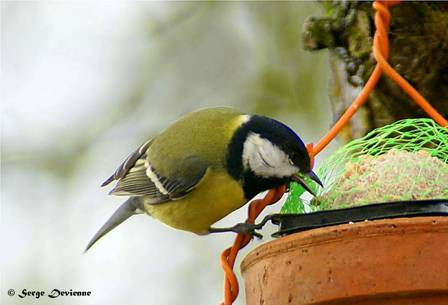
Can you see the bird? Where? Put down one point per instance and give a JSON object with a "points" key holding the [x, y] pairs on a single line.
{"points": [[205, 165]]}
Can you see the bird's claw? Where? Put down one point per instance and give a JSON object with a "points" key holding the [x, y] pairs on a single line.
{"points": [[245, 228], [241, 228], [248, 229]]}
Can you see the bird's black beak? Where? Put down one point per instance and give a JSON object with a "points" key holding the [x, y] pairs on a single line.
{"points": [[314, 177], [299, 179]]}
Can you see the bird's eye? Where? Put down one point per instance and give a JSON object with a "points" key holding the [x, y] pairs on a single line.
{"points": [[265, 162]]}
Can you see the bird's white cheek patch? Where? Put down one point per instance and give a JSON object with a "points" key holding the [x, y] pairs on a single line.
{"points": [[266, 159]]}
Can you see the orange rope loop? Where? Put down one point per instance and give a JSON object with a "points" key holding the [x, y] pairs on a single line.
{"points": [[228, 256], [381, 53]]}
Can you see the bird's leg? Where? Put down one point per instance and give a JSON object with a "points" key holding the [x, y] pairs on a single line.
{"points": [[240, 228], [244, 228]]}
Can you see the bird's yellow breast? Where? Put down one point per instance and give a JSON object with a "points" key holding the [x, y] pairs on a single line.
{"points": [[216, 196]]}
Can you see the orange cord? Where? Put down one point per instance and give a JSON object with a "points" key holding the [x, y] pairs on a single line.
{"points": [[381, 53], [228, 256]]}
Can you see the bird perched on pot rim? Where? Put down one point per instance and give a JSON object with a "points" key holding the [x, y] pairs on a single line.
{"points": [[206, 165]]}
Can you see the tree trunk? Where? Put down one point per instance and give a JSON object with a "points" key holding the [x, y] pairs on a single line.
{"points": [[418, 37]]}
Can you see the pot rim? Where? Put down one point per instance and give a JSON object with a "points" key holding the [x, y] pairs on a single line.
{"points": [[292, 223], [344, 233]]}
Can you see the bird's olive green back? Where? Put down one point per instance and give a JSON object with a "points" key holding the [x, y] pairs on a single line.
{"points": [[202, 134]]}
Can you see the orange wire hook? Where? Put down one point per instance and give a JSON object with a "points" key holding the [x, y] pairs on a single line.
{"points": [[228, 256]]}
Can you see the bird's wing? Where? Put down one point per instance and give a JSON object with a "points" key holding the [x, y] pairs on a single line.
{"points": [[130, 162], [138, 177]]}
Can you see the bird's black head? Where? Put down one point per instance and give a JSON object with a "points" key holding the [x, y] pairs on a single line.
{"points": [[265, 153]]}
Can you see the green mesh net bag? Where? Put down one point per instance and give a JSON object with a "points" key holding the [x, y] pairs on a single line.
{"points": [[407, 160]]}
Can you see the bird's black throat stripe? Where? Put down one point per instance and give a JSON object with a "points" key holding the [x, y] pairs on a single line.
{"points": [[252, 184]]}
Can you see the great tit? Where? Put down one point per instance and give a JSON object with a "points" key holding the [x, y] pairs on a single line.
{"points": [[204, 166]]}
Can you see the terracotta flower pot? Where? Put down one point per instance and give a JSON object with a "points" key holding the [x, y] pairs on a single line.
{"points": [[381, 262]]}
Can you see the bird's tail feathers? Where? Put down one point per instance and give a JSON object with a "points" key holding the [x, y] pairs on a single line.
{"points": [[127, 209]]}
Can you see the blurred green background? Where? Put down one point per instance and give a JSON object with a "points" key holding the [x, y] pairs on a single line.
{"points": [[84, 83]]}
